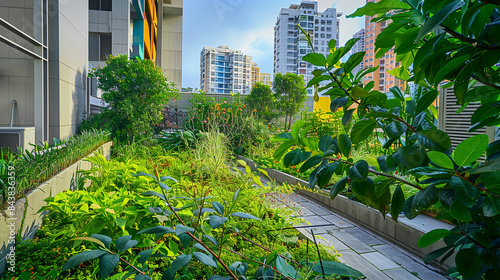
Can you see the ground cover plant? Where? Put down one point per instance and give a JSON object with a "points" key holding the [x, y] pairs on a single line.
{"points": [[450, 42], [136, 219], [44, 161]]}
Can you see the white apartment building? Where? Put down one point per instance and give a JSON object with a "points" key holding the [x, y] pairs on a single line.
{"points": [[290, 45], [225, 71], [359, 47]]}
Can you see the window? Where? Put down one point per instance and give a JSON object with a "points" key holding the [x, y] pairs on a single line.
{"points": [[329, 22], [99, 46], [322, 21], [323, 29], [328, 36], [100, 5], [322, 35]]}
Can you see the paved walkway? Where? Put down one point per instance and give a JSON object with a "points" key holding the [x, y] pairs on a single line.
{"points": [[376, 258]]}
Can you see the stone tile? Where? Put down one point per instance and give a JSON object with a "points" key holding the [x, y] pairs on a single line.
{"points": [[302, 212], [338, 221], [410, 262], [400, 273], [364, 236], [359, 263], [351, 241], [379, 260], [323, 226], [329, 240], [315, 208]]}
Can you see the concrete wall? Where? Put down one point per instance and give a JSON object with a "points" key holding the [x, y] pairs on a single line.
{"points": [[171, 45], [26, 216], [68, 65], [16, 68]]}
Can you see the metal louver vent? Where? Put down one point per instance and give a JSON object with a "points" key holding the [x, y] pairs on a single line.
{"points": [[456, 125], [11, 140]]}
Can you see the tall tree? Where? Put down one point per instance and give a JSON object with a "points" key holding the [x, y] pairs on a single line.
{"points": [[261, 99], [136, 91], [290, 94]]}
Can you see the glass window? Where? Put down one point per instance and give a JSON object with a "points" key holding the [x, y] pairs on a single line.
{"points": [[100, 5]]}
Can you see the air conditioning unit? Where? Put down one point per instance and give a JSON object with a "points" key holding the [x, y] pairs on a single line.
{"points": [[14, 137]]}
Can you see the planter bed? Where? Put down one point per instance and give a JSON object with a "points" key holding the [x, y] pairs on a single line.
{"points": [[26, 217], [404, 233]]}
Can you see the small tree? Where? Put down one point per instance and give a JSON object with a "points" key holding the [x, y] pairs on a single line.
{"points": [[261, 99], [136, 91], [290, 95]]}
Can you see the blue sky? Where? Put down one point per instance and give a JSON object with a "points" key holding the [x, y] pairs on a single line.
{"points": [[245, 25]]}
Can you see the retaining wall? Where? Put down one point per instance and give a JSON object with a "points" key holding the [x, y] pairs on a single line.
{"points": [[26, 209]]}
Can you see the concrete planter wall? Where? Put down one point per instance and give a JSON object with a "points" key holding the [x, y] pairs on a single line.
{"points": [[405, 233], [26, 209]]}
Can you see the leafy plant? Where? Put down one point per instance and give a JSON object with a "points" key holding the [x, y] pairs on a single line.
{"points": [[136, 91], [462, 53], [290, 95], [262, 101]]}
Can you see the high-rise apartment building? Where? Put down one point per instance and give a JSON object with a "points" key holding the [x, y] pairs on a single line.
{"points": [[225, 71], [265, 78], [290, 45], [255, 74], [359, 47], [383, 81]]}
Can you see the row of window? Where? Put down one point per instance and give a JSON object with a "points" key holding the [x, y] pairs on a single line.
{"points": [[100, 5]]}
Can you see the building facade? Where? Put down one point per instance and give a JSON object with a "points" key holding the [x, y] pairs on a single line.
{"points": [[47, 48], [290, 45], [383, 81], [255, 74], [359, 47], [225, 71], [265, 78]]}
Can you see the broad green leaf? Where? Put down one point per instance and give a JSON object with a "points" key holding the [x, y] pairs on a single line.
{"points": [[470, 150], [296, 128], [326, 174], [436, 254], [311, 162], [156, 230], [359, 171], [316, 59], [338, 103], [283, 148], [465, 192], [165, 178], [92, 239], [381, 160], [439, 17], [468, 262], [364, 189], [244, 215], [218, 207], [204, 259], [332, 44], [362, 130], [324, 143], [358, 92], [425, 198], [106, 240], [120, 242], [491, 181], [146, 254], [451, 66], [408, 210], [178, 263], [409, 157], [345, 145], [425, 101], [144, 174], [381, 7], [400, 72], [107, 264], [395, 129], [491, 206], [317, 80], [398, 201], [153, 193], [460, 212], [336, 268], [82, 257], [353, 61], [440, 159], [285, 268], [347, 117], [217, 221], [434, 140], [432, 237], [338, 187]]}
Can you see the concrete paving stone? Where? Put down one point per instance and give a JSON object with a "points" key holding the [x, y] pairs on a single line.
{"points": [[400, 273], [410, 262], [364, 236], [329, 240], [315, 208], [359, 263], [338, 221], [323, 226], [351, 241], [379, 260]]}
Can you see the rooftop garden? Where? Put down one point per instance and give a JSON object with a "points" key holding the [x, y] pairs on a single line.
{"points": [[176, 205]]}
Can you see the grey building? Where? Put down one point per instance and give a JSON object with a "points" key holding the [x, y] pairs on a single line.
{"points": [[290, 44], [47, 48], [359, 47]]}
